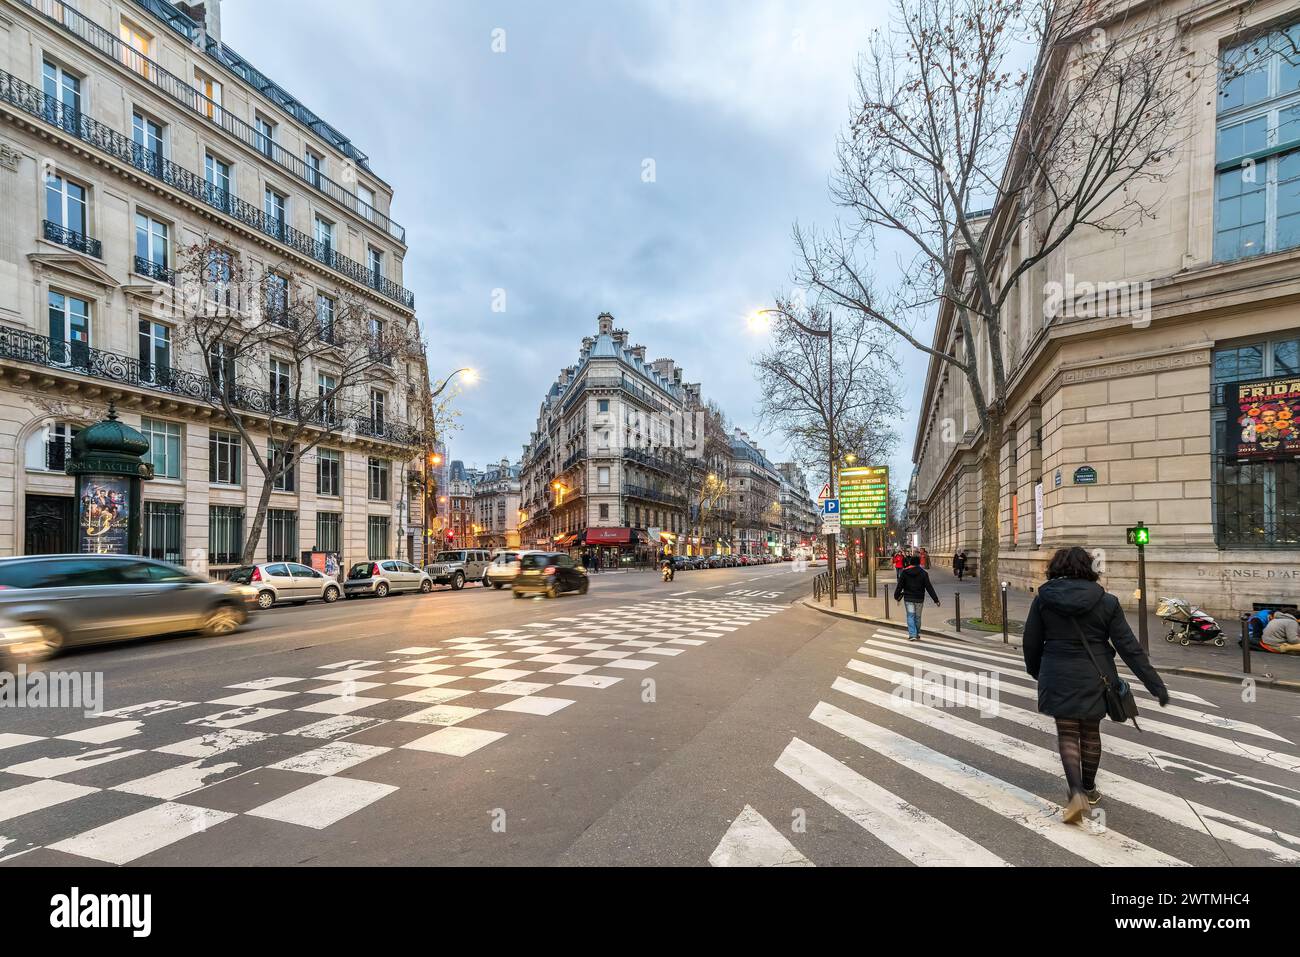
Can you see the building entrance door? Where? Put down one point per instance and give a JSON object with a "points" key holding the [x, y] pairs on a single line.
{"points": [[49, 528]]}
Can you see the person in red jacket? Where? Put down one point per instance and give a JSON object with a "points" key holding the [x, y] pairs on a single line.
{"points": [[898, 561]]}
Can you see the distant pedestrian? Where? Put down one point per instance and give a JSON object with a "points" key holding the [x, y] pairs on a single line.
{"points": [[913, 584], [959, 565], [925, 559], [898, 561], [1073, 631]]}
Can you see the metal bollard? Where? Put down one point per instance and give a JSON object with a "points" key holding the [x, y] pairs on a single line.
{"points": [[956, 603], [885, 586], [1005, 639], [855, 596], [1245, 644]]}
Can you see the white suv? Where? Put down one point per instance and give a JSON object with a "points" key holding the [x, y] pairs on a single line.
{"points": [[505, 567]]}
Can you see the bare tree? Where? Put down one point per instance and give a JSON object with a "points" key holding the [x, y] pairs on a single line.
{"points": [[803, 397], [238, 315], [1059, 115]]}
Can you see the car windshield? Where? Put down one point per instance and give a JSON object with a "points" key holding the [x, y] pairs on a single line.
{"points": [[360, 570], [451, 556], [535, 561]]}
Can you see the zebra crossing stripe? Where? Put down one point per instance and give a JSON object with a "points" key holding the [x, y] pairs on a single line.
{"points": [[751, 841], [1102, 846], [1220, 825], [1118, 746], [922, 839], [1275, 759]]}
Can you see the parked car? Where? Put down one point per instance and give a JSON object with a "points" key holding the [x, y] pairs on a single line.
{"points": [[52, 602], [382, 578], [286, 582], [549, 574], [504, 568], [682, 563], [455, 568]]}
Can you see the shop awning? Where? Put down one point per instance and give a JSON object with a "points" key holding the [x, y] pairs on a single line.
{"points": [[607, 536], [566, 541]]}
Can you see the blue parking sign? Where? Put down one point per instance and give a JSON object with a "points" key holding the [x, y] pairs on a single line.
{"points": [[831, 506]]}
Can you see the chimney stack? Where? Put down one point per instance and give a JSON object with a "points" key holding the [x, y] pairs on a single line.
{"points": [[207, 14]]}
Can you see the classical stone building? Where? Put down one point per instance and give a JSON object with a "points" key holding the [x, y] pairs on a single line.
{"points": [[799, 518], [495, 507], [755, 497], [1123, 415], [128, 132], [606, 463]]}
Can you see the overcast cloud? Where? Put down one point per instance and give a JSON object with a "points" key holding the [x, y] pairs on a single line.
{"points": [[522, 171]]}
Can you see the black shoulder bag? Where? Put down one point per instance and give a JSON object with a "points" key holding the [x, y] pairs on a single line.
{"points": [[1121, 706]]}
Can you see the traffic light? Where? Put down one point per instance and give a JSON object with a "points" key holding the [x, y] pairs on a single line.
{"points": [[1139, 535]]}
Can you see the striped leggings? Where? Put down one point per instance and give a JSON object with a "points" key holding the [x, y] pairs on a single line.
{"points": [[1079, 741]]}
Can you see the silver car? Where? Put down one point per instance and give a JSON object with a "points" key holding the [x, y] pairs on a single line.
{"points": [[457, 567], [286, 582], [505, 567], [385, 577], [51, 602]]}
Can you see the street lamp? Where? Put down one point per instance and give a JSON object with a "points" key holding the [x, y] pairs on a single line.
{"points": [[759, 321]]}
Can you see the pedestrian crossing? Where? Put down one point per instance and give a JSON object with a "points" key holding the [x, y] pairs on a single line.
{"points": [[312, 748], [908, 759]]}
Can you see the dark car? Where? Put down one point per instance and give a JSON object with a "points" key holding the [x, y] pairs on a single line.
{"points": [[549, 574], [65, 600], [682, 563]]}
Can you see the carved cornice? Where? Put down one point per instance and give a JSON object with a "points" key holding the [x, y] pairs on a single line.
{"points": [[10, 157]]}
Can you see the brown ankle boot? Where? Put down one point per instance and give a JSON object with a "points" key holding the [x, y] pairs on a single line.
{"points": [[1077, 808]]}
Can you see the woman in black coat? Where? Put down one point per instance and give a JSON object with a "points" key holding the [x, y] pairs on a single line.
{"points": [[1069, 686]]}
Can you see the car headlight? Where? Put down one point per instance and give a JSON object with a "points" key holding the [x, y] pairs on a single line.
{"points": [[18, 633]]}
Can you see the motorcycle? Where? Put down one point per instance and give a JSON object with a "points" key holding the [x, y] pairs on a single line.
{"points": [[667, 571], [1188, 623]]}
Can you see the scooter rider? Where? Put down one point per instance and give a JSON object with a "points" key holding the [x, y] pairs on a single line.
{"points": [[667, 567]]}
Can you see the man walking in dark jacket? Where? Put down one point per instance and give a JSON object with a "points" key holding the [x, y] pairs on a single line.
{"points": [[913, 583]]}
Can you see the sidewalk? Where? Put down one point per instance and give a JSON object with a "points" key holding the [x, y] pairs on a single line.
{"points": [[1195, 660]]}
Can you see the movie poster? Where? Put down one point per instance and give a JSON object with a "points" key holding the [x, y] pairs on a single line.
{"points": [[1263, 419], [105, 515]]}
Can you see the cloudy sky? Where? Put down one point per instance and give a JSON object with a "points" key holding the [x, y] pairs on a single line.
{"points": [[522, 170]]}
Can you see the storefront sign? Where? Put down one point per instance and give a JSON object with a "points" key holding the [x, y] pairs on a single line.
{"points": [[1085, 475], [105, 515], [608, 536], [1263, 423], [864, 496]]}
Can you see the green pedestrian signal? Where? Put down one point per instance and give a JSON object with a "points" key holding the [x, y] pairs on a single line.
{"points": [[1139, 535]]}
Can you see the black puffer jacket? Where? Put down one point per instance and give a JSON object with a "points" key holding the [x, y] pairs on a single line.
{"points": [[1068, 683], [913, 583]]}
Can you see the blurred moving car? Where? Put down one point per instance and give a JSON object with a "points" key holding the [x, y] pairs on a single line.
{"points": [[549, 574], [384, 577], [682, 563], [455, 568], [504, 568], [286, 582], [52, 602]]}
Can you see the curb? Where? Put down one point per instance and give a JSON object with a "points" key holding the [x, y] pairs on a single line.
{"points": [[1265, 680]]}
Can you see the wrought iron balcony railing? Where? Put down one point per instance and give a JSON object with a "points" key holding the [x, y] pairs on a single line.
{"points": [[32, 101], [22, 345], [574, 459], [657, 462], [73, 240], [147, 267], [112, 46], [653, 495]]}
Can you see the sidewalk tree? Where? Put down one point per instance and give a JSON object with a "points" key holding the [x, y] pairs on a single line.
{"points": [[1060, 117], [798, 400], [238, 315]]}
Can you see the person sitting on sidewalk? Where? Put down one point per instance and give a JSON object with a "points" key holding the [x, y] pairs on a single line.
{"points": [[1283, 633], [1255, 628], [913, 583]]}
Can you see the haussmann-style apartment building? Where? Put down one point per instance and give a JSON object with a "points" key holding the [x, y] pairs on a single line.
{"points": [[1182, 417], [128, 132]]}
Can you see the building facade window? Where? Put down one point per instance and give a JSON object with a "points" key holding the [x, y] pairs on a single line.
{"points": [[329, 472], [280, 462], [162, 531], [314, 164], [377, 484], [148, 143], [325, 307], [273, 205], [62, 95], [281, 383], [329, 532], [378, 402], [210, 105], [265, 135], [155, 351], [1257, 148], [164, 447], [221, 367], [225, 534], [375, 263], [281, 535], [151, 246], [65, 204], [377, 537], [69, 329], [220, 182], [1256, 504], [224, 454]]}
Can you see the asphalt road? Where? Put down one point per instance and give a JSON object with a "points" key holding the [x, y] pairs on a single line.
{"points": [[707, 720]]}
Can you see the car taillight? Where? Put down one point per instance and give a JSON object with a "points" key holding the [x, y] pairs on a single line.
{"points": [[257, 575], [548, 570], [374, 570]]}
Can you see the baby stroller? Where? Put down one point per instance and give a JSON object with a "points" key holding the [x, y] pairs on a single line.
{"points": [[1188, 624]]}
